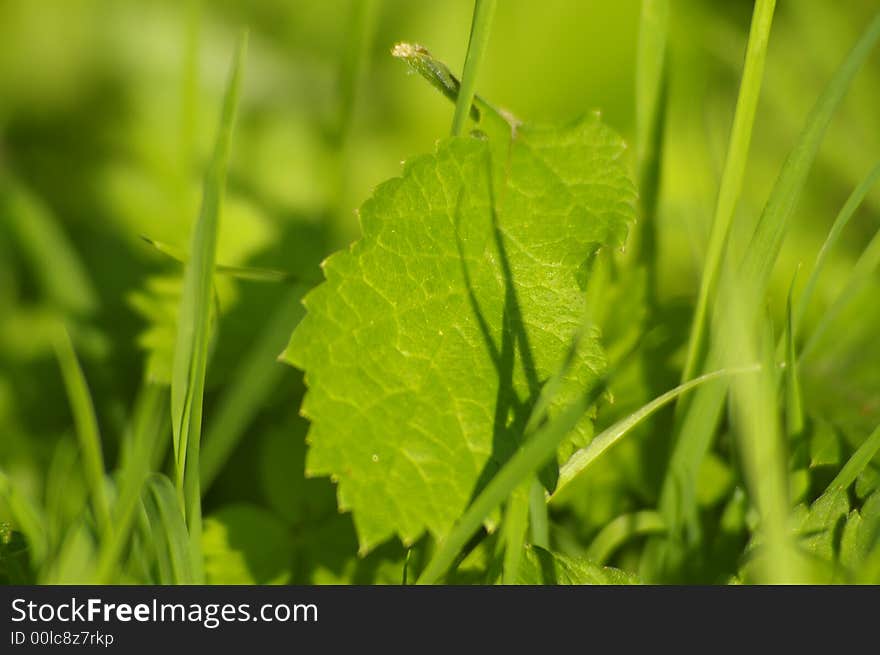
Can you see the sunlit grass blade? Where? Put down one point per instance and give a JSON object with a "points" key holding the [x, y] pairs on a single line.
{"points": [[170, 536], [86, 430], [584, 457], [479, 40], [622, 529], [257, 375], [191, 348], [732, 177], [846, 213], [149, 428]]}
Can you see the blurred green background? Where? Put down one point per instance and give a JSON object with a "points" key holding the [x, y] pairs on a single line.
{"points": [[108, 109]]}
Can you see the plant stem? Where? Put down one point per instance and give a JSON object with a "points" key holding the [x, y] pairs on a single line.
{"points": [[479, 39], [732, 177]]}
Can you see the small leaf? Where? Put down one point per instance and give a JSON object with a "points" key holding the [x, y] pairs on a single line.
{"points": [[541, 566]]}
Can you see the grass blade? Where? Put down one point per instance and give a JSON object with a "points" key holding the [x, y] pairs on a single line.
{"points": [[584, 457], [169, 532], [759, 441], [86, 430], [150, 425], [767, 239], [858, 462], [479, 39], [697, 431], [846, 213], [537, 449], [191, 348], [516, 524], [732, 177], [621, 530], [650, 112]]}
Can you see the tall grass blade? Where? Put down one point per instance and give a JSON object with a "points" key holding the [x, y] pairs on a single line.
{"points": [[150, 426], [479, 40], [677, 499], [86, 430], [767, 239], [732, 177], [191, 348]]}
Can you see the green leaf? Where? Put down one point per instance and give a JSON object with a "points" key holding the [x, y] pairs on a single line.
{"points": [[819, 526], [858, 462], [541, 566], [861, 535], [429, 341]]}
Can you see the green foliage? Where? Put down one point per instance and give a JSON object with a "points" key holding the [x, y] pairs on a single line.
{"points": [[430, 339]]}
